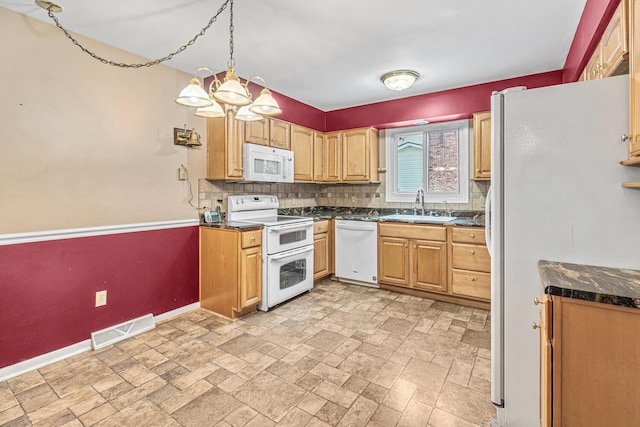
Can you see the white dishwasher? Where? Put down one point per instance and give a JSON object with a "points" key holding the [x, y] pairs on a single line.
{"points": [[356, 251]]}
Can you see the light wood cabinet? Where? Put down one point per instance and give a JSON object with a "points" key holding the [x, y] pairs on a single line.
{"points": [[225, 137], [360, 157], [406, 258], [328, 157], [611, 56], [482, 145], [257, 132], [322, 249], [470, 263], [302, 145], [230, 270], [279, 134], [589, 362]]}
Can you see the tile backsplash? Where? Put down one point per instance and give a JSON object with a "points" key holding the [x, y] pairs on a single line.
{"points": [[214, 193]]}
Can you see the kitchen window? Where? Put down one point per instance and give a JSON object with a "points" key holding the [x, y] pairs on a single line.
{"points": [[432, 157]]}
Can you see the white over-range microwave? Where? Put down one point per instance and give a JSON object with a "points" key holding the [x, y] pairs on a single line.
{"points": [[267, 164]]}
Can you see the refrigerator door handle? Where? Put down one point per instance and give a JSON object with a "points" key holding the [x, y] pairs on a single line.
{"points": [[487, 220]]}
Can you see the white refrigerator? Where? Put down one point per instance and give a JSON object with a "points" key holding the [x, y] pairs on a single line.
{"points": [[555, 194]]}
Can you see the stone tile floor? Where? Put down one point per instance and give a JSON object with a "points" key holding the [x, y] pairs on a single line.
{"points": [[341, 355]]}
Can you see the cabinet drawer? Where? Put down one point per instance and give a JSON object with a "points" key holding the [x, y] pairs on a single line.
{"points": [[251, 238], [471, 284], [469, 235], [471, 257], [321, 226], [423, 232]]}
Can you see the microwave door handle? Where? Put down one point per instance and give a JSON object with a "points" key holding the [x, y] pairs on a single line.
{"points": [[291, 253]]}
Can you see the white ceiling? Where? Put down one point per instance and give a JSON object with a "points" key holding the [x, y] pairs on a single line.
{"points": [[331, 53]]}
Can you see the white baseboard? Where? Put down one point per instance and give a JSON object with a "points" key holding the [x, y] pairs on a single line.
{"points": [[57, 355], [178, 311], [44, 360]]}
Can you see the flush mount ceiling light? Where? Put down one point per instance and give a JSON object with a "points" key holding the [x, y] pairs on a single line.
{"points": [[230, 92], [399, 79]]}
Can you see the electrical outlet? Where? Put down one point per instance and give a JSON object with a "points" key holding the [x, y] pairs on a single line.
{"points": [[182, 173], [101, 298]]}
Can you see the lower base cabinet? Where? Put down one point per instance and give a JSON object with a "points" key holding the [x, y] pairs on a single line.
{"points": [[413, 256], [590, 375], [230, 270], [322, 249]]}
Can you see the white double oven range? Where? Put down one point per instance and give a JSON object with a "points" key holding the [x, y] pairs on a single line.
{"points": [[287, 247]]}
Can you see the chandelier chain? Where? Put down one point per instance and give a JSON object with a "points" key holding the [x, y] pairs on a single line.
{"points": [[156, 61], [232, 62]]}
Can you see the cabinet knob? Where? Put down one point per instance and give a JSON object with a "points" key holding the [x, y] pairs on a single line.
{"points": [[472, 251], [534, 325], [415, 246], [536, 301], [473, 236], [478, 170], [473, 279], [625, 137]]}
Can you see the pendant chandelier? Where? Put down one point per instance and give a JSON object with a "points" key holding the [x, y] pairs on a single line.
{"points": [[234, 95], [230, 92]]}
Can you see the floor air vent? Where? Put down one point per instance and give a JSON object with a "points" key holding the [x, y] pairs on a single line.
{"points": [[122, 331]]}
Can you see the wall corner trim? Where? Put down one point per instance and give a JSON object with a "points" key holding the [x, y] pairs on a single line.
{"points": [[73, 233]]}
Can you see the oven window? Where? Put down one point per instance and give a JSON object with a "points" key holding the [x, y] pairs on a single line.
{"points": [[271, 167], [293, 237], [293, 273]]}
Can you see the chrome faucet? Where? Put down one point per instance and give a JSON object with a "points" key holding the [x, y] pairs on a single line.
{"points": [[420, 199], [449, 211]]}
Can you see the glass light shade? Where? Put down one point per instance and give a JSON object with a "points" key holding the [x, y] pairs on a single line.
{"points": [[246, 115], [214, 110], [265, 104], [193, 95], [231, 91], [399, 80]]}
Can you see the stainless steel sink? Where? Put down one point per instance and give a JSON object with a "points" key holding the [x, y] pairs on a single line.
{"points": [[419, 218]]}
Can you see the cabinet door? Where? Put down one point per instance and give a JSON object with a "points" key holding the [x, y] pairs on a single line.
{"points": [[321, 260], [393, 260], [634, 82], [302, 145], [257, 132], [355, 155], [235, 139], [429, 265], [250, 292], [319, 157], [615, 42], [593, 70], [279, 134], [333, 153], [482, 145]]}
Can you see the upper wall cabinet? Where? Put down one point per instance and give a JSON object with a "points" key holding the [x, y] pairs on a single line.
{"points": [[634, 82], [611, 57], [225, 137], [302, 145], [328, 157], [279, 134], [257, 132], [360, 155], [482, 145]]}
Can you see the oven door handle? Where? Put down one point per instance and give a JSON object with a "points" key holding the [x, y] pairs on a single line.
{"points": [[288, 254], [289, 227]]}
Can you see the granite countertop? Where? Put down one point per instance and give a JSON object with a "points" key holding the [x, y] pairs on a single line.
{"points": [[614, 286], [464, 218], [233, 225]]}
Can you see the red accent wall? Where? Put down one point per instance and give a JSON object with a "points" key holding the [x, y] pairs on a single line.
{"points": [[47, 289], [442, 106], [594, 20]]}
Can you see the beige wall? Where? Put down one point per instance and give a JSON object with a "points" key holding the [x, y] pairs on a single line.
{"points": [[86, 144]]}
